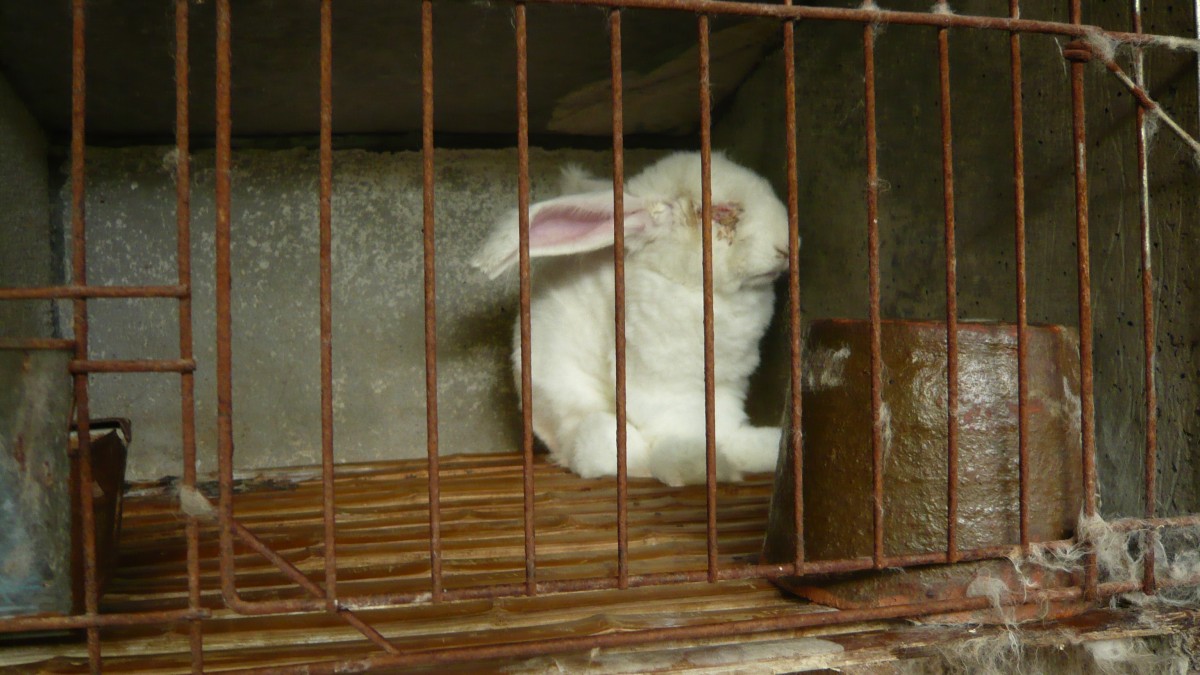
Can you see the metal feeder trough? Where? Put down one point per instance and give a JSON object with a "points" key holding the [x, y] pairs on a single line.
{"points": [[838, 488]]}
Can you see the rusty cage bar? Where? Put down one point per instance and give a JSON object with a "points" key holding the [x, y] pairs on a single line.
{"points": [[324, 596]]}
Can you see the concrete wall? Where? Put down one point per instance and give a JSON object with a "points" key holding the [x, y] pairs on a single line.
{"points": [[379, 366], [25, 256], [832, 182]]}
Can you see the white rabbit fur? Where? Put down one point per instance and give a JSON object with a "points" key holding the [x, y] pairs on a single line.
{"points": [[573, 346]]}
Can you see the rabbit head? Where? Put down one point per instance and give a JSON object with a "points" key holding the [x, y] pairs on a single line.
{"points": [[662, 221]]}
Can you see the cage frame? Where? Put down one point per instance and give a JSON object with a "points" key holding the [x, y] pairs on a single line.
{"points": [[324, 597]]}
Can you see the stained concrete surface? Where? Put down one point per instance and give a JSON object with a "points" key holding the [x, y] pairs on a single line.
{"points": [[25, 256], [35, 475], [378, 357], [833, 273]]}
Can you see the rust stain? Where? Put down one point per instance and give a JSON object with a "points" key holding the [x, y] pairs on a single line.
{"points": [[19, 451]]}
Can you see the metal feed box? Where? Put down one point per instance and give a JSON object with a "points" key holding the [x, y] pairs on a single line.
{"points": [[35, 479]]}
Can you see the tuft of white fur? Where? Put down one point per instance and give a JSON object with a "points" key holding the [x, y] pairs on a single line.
{"points": [[1111, 548], [495, 257], [1150, 124], [572, 317], [1176, 43], [195, 504], [1121, 557], [575, 180], [1103, 45], [941, 7], [1004, 654]]}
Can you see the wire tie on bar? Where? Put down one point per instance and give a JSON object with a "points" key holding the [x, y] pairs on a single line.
{"points": [[1079, 51]]}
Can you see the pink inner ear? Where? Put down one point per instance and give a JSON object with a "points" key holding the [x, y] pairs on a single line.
{"points": [[579, 223], [557, 224]]}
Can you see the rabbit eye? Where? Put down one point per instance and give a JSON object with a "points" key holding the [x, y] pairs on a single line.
{"points": [[727, 215]]}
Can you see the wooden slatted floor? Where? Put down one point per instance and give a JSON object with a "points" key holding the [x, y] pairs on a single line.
{"points": [[382, 548]]}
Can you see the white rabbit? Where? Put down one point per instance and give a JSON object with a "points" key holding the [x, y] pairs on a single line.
{"points": [[573, 345]]}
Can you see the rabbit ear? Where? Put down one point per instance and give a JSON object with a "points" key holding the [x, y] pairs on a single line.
{"points": [[561, 226], [580, 223]]}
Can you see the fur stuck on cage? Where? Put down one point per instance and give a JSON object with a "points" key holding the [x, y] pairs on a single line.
{"points": [[1104, 48], [1121, 555]]}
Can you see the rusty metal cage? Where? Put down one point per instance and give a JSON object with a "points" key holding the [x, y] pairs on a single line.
{"points": [[322, 595]]}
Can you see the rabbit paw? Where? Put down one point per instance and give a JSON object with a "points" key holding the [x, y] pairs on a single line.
{"points": [[595, 449], [681, 461], [751, 449]]}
